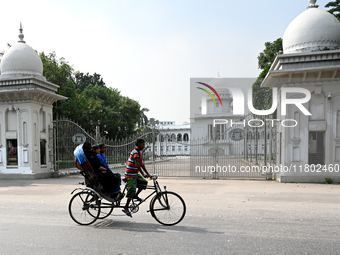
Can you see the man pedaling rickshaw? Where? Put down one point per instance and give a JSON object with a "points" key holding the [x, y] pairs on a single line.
{"points": [[135, 168]]}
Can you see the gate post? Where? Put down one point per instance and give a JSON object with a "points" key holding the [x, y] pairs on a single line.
{"points": [[153, 149], [269, 175], [270, 145], [215, 163], [256, 146], [265, 143], [246, 148], [244, 145], [55, 142]]}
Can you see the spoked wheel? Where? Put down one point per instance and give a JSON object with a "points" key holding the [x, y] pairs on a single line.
{"points": [[168, 208], [84, 208], [105, 210]]}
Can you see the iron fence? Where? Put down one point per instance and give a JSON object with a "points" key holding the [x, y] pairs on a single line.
{"points": [[233, 153]]}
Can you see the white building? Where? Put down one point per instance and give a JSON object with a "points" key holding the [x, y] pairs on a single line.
{"points": [[202, 123], [26, 121], [311, 60], [173, 140], [229, 140]]}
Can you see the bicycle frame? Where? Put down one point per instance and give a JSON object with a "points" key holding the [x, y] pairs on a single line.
{"points": [[86, 206], [155, 187]]}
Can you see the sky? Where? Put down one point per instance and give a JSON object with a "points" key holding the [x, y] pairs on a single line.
{"points": [[149, 49]]}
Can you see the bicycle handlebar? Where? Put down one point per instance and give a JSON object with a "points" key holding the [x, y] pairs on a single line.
{"points": [[153, 177]]}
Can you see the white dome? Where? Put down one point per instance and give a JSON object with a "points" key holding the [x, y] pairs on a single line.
{"points": [[218, 82], [313, 30], [21, 59]]}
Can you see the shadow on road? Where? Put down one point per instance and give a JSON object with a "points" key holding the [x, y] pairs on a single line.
{"points": [[150, 227]]}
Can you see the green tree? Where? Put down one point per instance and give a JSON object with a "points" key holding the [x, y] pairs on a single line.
{"points": [[89, 100], [268, 55], [103, 106], [58, 71], [119, 114], [83, 80], [129, 113], [262, 97], [334, 8], [143, 119]]}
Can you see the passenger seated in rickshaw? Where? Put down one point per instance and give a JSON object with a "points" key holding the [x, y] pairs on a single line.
{"points": [[107, 179], [101, 156]]}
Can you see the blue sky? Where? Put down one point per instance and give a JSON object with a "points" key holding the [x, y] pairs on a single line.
{"points": [[149, 50]]}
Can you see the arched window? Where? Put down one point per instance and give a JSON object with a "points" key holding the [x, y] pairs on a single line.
{"points": [[179, 137], [185, 137], [173, 138], [161, 138]]}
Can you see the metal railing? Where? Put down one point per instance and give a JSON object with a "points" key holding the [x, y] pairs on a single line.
{"points": [[218, 155]]}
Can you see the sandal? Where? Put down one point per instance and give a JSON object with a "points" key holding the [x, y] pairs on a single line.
{"points": [[127, 213]]}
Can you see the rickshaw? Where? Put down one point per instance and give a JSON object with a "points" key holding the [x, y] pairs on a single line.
{"points": [[91, 203]]}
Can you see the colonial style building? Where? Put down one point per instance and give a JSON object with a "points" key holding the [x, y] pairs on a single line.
{"points": [[173, 140], [236, 140], [26, 121], [311, 60]]}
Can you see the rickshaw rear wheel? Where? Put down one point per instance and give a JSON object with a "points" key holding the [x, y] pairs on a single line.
{"points": [[84, 207]]}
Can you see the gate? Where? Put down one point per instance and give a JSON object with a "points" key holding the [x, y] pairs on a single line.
{"points": [[237, 152], [224, 153], [67, 135]]}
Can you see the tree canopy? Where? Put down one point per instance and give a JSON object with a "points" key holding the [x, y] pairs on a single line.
{"points": [[334, 8], [83, 80], [90, 101], [262, 97]]}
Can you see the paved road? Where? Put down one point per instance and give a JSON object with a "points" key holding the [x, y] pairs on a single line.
{"points": [[223, 217]]}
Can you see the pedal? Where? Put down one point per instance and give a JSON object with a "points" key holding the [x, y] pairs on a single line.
{"points": [[134, 208]]}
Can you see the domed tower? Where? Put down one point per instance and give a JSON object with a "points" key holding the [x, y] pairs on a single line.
{"points": [[311, 61], [21, 60], [26, 120], [313, 30]]}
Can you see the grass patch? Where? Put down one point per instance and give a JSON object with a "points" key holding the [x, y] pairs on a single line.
{"points": [[328, 180]]}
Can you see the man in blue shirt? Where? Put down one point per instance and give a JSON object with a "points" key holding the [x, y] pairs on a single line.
{"points": [[102, 158]]}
